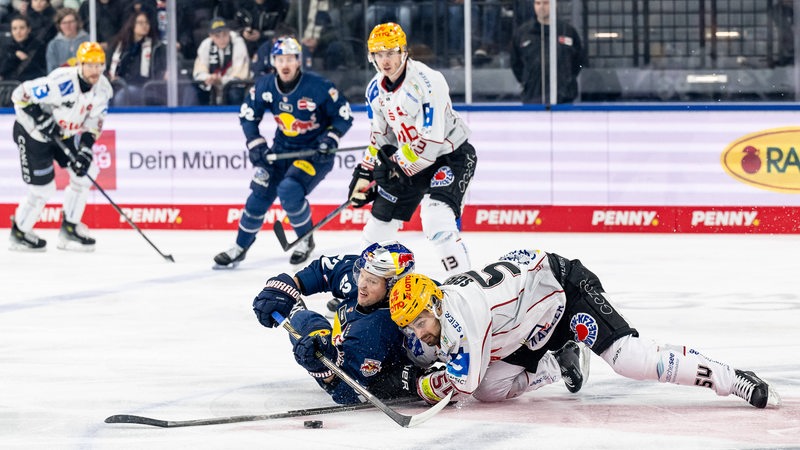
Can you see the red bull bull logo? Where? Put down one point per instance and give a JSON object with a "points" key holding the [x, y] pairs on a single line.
{"points": [[290, 126]]}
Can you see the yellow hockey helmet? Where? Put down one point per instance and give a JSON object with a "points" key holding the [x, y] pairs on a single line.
{"points": [[411, 295], [90, 52], [386, 36]]}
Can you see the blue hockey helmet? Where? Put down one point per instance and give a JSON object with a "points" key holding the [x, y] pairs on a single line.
{"points": [[286, 45], [389, 260]]}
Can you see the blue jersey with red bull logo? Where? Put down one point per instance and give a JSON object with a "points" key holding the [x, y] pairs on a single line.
{"points": [[369, 340], [313, 108]]}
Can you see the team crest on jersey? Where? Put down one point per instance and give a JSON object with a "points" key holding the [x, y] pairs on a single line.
{"points": [[66, 88], [370, 367], [41, 91], [443, 177], [307, 104], [285, 106], [585, 328], [521, 256]]}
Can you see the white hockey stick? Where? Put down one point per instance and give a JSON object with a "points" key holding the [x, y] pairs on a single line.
{"points": [[401, 419]]}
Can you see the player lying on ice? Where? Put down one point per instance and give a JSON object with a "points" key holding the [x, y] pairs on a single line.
{"points": [[363, 340], [477, 321]]}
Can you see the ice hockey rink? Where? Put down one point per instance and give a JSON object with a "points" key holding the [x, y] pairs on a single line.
{"points": [[122, 331]]}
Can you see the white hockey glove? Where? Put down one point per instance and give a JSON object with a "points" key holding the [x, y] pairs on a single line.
{"points": [[359, 194], [434, 386]]}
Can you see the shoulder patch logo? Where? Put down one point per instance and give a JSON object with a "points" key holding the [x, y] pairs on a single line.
{"points": [[66, 88]]}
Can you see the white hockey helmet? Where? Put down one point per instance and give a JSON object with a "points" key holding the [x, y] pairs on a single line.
{"points": [[286, 45], [389, 260]]}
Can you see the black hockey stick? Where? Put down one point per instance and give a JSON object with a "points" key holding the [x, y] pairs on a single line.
{"points": [[303, 153], [71, 157], [140, 420], [403, 420], [280, 233]]}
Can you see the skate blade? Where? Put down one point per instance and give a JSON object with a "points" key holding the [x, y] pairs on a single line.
{"points": [[24, 248], [773, 398], [230, 266], [72, 246], [585, 358]]}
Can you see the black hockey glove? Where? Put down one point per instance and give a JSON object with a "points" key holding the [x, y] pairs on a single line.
{"points": [[396, 381], [280, 294], [43, 122], [389, 175], [429, 384], [307, 347], [80, 162], [361, 180], [326, 146], [258, 155]]}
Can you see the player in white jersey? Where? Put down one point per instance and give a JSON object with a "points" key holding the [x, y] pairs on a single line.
{"points": [[493, 327], [69, 104], [419, 151]]}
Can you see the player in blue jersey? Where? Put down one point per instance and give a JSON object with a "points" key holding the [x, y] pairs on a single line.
{"points": [[310, 114], [363, 340]]}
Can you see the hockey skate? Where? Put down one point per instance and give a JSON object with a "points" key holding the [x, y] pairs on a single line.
{"points": [[302, 251], [230, 258], [754, 390], [25, 242], [73, 237], [573, 359]]}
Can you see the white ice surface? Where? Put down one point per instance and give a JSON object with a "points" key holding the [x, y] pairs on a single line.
{"points": [[85, 336]]}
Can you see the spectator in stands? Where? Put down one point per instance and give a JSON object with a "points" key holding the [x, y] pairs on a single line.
{"points": [[41, 16], [221, 59], [110, 17], [485, 33], [322, 38], [185, 31], [23, 55], [783, 18], [256, 19], [530, 57], [5, 10], [138, 57], [64, 46]]}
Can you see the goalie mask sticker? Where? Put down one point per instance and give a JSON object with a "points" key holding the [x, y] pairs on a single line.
{"points": [[585, 328], [370, 367]]}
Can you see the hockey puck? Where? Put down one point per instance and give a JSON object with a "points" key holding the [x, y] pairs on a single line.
{"points": [[312, 424]]}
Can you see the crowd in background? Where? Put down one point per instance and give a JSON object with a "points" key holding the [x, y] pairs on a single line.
{"points": [[39, 35]]}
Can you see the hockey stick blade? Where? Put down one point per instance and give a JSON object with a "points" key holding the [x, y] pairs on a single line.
{"points": [[403, 420], [280, 233], [141, 420]]}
